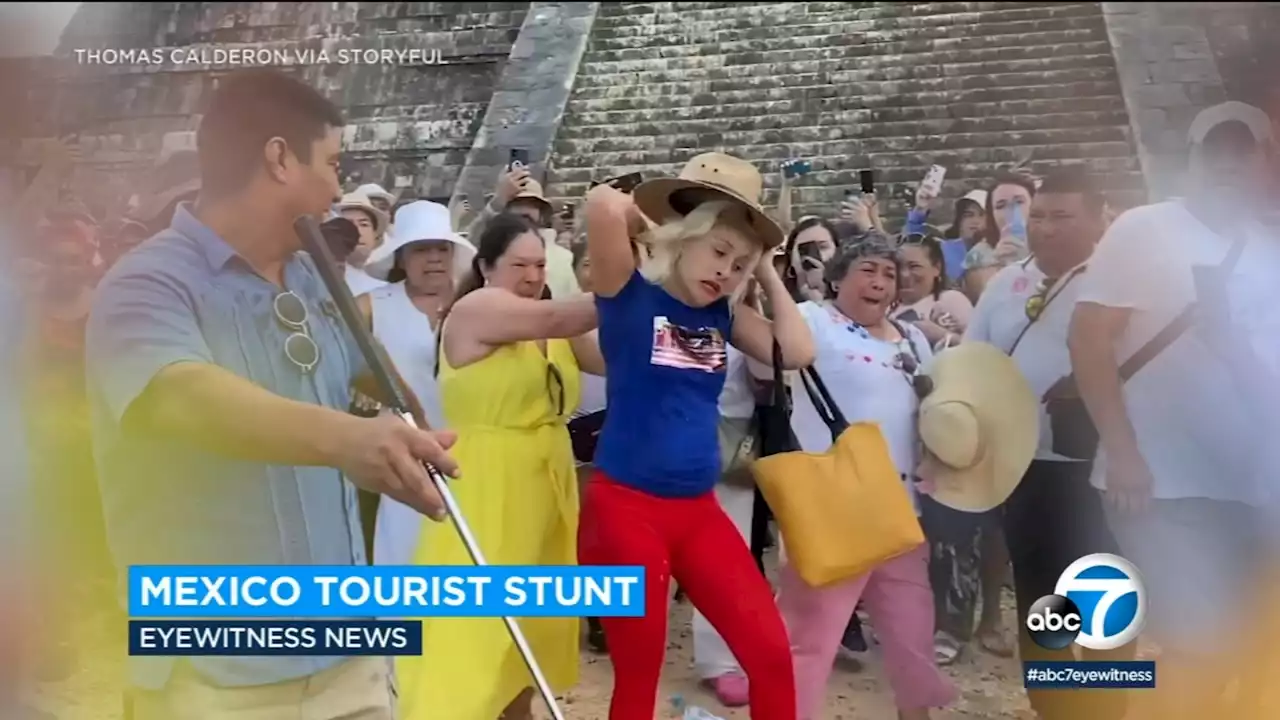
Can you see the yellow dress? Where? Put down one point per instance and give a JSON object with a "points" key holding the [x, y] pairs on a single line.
{"points": [[519, 494]]}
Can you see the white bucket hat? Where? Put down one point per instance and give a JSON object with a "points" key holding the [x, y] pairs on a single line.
{"points": [[420, 221]]}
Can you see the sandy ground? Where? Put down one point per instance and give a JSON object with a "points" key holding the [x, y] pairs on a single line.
{"points": [[989, 687]]}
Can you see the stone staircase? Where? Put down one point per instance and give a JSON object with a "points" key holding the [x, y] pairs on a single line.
{"points": [[410, 125], [974, 86]]}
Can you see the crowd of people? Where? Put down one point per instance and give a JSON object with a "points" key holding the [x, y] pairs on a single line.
{"points": [[599, 375]]}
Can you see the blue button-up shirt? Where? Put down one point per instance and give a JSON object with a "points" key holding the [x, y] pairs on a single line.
{"points": [[187, 296]]}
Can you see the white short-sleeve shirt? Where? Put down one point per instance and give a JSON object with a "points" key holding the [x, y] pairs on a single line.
{"points": [[1000, 317], [1191, 407], [737, 400]]}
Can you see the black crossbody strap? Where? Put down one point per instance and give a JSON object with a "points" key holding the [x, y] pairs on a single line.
{"points": [[1045, 308], [780, 399], [1066, 387], [823, 403], [1180, 324]]}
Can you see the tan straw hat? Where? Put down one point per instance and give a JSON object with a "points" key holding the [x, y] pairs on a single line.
{"points": [[980, 426], [360, 201], [717, 176], [533, 191]]}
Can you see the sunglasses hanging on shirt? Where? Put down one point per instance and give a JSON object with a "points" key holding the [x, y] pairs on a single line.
{"points": [[299, 347]]}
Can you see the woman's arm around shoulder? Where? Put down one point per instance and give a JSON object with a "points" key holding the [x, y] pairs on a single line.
{"points": [[493, 316], [754, 334], [613, 221]]}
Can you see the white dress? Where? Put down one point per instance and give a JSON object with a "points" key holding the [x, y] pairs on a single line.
{"points": [[410, 341]]}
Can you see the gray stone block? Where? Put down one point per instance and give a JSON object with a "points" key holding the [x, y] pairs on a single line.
{"points": [[1185, 71], [1193, 51], [1160, 96]]}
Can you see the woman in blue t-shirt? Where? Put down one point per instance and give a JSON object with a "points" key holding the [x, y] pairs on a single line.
{"points": [[664, 326]]}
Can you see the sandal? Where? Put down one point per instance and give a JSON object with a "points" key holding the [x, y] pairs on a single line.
{"points": [[946, 649], [996, 643]]}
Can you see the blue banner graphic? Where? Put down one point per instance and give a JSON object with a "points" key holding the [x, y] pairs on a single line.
{"points": [[310, 591]]}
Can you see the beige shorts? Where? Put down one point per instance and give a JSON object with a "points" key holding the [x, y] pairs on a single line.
{"points": [[361, 688]]}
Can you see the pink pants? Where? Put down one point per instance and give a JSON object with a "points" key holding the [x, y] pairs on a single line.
{"points": [[898, 598]]}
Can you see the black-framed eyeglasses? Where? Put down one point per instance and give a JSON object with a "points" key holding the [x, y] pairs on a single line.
{"points": [[299, 347], [555, 387]]}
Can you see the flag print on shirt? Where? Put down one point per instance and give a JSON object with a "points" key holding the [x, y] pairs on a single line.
{"points": [[680, 347]]}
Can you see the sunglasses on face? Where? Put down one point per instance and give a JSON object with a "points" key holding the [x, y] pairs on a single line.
{"points": [[299, 347]]}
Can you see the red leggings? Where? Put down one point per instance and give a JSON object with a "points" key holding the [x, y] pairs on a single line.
{"points": [[692, 540]]}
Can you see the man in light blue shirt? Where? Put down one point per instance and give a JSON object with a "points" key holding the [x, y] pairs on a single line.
{"points": [[219, 377]]}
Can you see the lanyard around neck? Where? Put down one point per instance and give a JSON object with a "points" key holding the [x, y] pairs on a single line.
{"points": [[1051, 294]]}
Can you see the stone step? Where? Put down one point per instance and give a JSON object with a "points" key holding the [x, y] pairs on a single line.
{"points": [[638, 11], [820, 193], [916, 157], [850, 70], [877, 18], [801, 128], [842, 171], [804, 87], [847, 110], [861, 140], [866, 56], [852, 30], [855, 82], [906, 47]]}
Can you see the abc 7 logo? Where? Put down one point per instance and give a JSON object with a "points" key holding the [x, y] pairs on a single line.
{"points": [[1109, 590]]}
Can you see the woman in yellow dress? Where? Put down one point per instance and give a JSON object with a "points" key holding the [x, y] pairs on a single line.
{"points": [[508, 377]]}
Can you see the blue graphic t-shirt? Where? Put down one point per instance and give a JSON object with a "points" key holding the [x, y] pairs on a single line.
{"points": [[666, 368]]}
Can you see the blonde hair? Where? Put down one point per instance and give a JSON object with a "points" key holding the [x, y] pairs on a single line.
{"points": [[666, 243]]}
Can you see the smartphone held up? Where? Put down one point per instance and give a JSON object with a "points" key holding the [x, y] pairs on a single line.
{"points": [[621, 183], [792, 169]]}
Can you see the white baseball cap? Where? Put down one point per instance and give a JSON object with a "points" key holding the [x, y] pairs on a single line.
{"points": [[1256, 120]]}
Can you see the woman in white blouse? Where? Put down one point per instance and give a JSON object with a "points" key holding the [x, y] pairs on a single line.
{"points": [[868, 362]]}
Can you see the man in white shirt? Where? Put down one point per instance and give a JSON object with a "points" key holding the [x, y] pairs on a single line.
{"points": [[1055, 516], [1180, 437]]}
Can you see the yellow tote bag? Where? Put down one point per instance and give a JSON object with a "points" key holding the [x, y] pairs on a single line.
{"points": [[842, 512]]}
